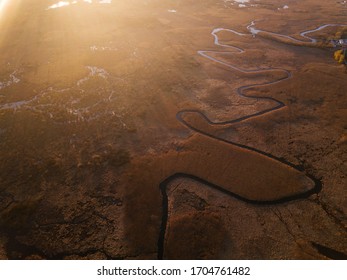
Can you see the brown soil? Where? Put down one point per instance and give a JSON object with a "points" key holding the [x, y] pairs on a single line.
{"points": [[95, 164]]}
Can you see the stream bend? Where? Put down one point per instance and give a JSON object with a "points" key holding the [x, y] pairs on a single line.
{"points": [[208, 54]]}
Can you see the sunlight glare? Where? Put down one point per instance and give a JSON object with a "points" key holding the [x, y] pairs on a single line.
{"points": [[59, 5], [68, 3], [2, 4]]}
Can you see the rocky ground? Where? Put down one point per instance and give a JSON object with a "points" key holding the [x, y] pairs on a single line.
{"points": [[90, 143]]}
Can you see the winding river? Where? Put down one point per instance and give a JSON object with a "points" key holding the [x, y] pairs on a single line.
{"points": [[312, 185]]}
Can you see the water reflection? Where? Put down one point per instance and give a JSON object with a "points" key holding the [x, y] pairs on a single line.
{"points": [[67, 3]]}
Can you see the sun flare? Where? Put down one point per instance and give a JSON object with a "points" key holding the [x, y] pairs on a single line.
{"points": [[3, 4], [172, 129]]}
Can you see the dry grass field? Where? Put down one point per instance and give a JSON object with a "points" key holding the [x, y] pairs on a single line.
{"points": [[173, 129]]}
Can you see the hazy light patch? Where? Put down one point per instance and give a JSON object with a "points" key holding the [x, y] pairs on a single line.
{"points": [[239, 3], [59, 5], [3, 4], [172, 11]]}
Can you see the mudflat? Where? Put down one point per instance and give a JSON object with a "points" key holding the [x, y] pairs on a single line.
{"points": [[172, 129]]}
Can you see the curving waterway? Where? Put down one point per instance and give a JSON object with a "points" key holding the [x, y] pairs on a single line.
{"points": [[307, 40]]}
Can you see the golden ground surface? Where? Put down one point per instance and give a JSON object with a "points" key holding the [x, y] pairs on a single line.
{"points": [[96, 164]]}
